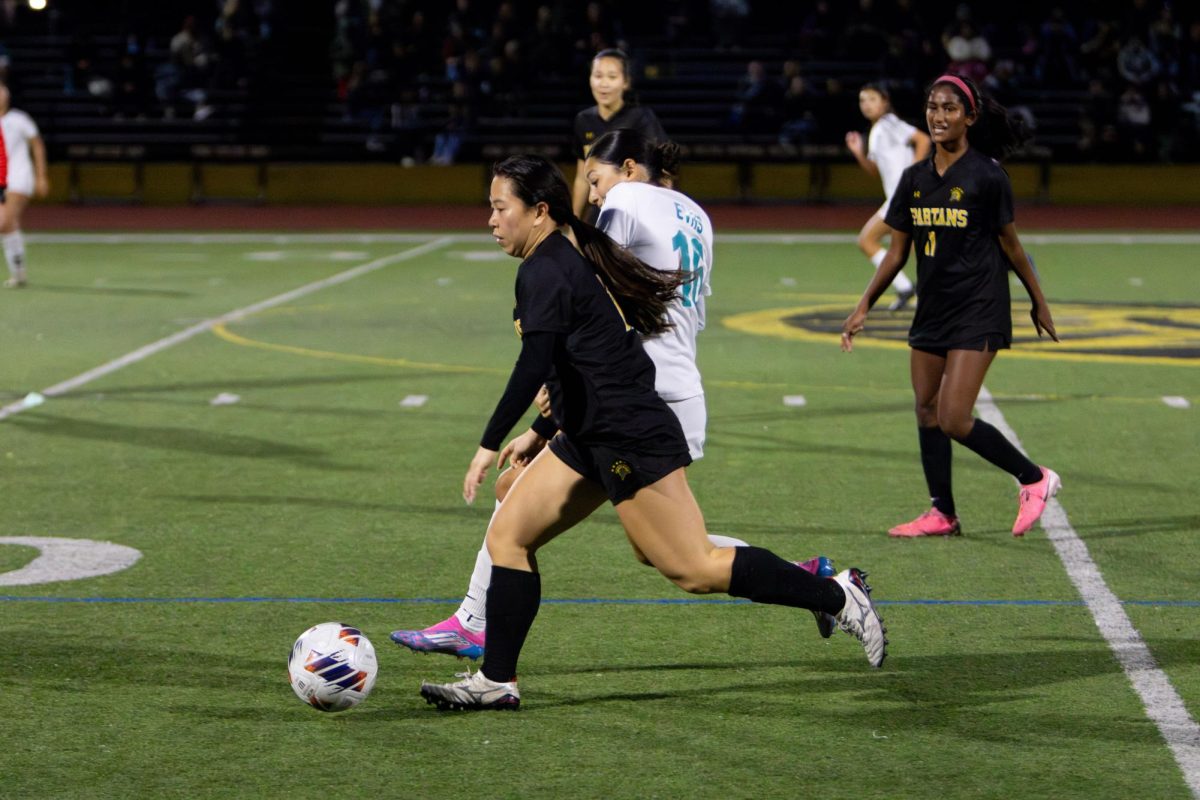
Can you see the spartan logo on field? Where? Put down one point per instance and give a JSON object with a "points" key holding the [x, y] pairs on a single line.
{"points": [[1110, 332]]}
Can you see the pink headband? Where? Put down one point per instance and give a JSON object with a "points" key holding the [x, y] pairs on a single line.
{"points": [[960, 83]]}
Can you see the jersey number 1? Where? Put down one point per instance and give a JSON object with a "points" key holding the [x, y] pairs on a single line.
{"points": [[691, 259], [931, 244]]}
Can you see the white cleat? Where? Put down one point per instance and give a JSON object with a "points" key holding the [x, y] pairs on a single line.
{"points": [[858, 616], [475, 692]]}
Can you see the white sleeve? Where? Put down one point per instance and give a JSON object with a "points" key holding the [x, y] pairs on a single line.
{"points": [[28, 126], [618, 217]]}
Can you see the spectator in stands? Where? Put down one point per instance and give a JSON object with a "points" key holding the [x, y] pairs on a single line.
{"points": [[799, 120], [27, 178], [1133, 121], [729, 21], [1137, 63], [758, 100], [1058, 45], [969, 52], [131, 90], [1099, 49]]}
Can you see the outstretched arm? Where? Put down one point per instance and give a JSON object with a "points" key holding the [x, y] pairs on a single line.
{"points": [[528, 375], [854, 142], [892, 263], [1040, 313]]}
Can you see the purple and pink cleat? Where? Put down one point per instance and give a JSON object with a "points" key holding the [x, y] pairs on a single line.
{"points": [[448, 636], [822, 567]]}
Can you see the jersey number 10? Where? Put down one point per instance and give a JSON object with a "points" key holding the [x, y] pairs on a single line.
{"points": [[691, 259]]}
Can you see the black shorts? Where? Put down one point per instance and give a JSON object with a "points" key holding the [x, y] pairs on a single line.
{"points": [[620, 471], [984, 344]]}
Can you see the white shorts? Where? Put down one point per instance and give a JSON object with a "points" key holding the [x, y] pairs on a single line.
{"points": [[693, 417], [882, 212]]}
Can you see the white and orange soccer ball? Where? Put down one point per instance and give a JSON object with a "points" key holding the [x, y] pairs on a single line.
{"points": [[332, 666]]}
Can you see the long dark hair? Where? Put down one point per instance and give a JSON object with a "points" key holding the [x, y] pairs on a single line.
{"points": [[641, 291], [997, 132], [661, 159]]}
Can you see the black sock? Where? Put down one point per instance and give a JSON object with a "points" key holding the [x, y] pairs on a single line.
{"points": [[935, 460], [991, 444], [512, 603], [764, 577]]}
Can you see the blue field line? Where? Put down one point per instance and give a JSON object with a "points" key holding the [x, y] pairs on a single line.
{"points": [[584, 601]]}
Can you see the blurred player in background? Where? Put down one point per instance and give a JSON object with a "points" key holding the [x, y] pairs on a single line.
{"points": [[27, 178], [610, 81], [891, 146], [958, 209]]}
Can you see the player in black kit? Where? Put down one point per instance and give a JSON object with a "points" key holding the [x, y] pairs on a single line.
{"points": [[609, 81], [957, 209], [582, 307]]}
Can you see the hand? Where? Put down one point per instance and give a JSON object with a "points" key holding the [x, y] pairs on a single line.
{"points": [[542, 401], [852, 327], [477, 472], [854, 141], [521, 449], [1042, 321], [41, 187]]}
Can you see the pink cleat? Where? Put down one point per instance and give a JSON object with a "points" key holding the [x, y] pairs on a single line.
{"points": [[1033, 499], [448, 636], [931, 523]]}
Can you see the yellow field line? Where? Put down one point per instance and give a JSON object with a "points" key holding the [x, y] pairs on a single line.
{"points": [[223, 332]]}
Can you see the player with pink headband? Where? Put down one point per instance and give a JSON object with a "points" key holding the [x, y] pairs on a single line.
{"points": [[957, 208]]}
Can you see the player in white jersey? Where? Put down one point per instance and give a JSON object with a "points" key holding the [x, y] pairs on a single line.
{"points": [[891, 147], [627, 176], [26, 178]]}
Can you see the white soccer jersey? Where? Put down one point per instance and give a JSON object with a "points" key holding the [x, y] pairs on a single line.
{"points": [[19, 129], [668, 231], [888, 146]]}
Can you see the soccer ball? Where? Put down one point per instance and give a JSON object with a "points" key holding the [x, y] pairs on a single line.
{"points": [[332, 666]]}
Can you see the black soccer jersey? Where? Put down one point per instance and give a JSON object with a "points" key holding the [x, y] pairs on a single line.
{"points": [[602, 386], [589, 126], [962, 272]]}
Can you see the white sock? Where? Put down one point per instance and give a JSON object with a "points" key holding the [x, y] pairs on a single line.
{"points": [[726, 541], [901, 281], [472, 612], [14, 253]]}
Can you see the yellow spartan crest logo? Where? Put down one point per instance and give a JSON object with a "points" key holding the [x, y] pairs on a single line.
{"points": [[621, 469], [956, 194]]}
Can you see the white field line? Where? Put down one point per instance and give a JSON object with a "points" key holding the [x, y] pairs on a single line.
{"points": [[231, 238], [1163, 704], [483, 238], [200, 327]]}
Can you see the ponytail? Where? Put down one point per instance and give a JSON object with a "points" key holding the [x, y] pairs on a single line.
{"points": [[997, 132], [640, 291]]}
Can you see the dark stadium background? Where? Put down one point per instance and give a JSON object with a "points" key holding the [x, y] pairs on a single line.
{"points": [[263, 101]]}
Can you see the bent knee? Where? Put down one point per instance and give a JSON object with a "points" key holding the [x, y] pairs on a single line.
{"points": [[956, 427]]}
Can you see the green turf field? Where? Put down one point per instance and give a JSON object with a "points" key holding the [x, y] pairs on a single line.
{"points": [[316, 495]]}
